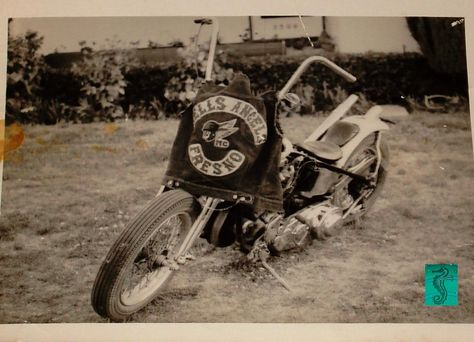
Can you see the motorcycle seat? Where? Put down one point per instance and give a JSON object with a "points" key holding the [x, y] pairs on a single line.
{"points": [[322, 149], [341, 132]]}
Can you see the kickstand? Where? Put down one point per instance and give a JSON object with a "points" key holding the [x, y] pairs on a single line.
{"points": [[277, 277], [260, 252]]}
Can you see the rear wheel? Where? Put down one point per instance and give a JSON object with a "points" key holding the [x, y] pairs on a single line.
{"points": [[366, 154], [142, 260]]}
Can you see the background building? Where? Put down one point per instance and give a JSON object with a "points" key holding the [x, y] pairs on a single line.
{"points": [[349, 34]]}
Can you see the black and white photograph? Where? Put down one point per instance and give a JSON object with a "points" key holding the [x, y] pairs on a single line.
{"points": [[237, 169]]}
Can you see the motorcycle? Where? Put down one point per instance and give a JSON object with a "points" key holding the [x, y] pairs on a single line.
{"points": [[333, 177]]}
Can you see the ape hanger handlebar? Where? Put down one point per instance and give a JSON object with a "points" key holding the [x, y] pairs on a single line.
{"points": [[212, 47], [306, 63]]}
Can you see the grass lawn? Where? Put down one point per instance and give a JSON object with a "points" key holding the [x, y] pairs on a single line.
{"points": [[69, 189]]}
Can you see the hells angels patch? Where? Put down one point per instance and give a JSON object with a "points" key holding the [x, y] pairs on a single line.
{"points": [[232, 161], [216, 120], [239, 108]]}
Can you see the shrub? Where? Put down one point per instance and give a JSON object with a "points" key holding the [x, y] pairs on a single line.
{"points": [[101, 74], [25, 68], [181, 88], [107, 85], [382, 78]]}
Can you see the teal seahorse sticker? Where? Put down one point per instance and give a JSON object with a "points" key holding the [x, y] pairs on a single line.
{"points": [[441, 284]]}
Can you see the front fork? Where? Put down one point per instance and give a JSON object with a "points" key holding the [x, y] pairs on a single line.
{"points": [[209, 206], [182, 255]]}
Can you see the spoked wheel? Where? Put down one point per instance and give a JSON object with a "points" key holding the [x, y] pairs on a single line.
{"points": [[143, 258], [365, 159]]}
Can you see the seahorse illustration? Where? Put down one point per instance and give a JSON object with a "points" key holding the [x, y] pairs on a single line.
{"points": [[438, 283]]}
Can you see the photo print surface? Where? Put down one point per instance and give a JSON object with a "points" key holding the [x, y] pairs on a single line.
{"points": [[95, 107]]}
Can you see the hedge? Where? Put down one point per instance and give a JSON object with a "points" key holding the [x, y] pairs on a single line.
{"points": [[382, 78]]}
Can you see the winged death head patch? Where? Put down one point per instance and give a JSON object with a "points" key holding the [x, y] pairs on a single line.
{"points": [[219, 118]]}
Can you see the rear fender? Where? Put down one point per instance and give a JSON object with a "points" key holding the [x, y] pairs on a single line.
{"points": [[368, 124]]}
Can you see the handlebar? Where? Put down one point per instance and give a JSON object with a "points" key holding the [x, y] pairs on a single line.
{"points": [[203, 21], [302, 68], [212, 47]]}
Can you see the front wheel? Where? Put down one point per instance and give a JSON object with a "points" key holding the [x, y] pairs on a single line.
{"points": [[140, 262]]}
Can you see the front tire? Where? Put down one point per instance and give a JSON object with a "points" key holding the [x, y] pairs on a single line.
{"points": [[152, 237]]}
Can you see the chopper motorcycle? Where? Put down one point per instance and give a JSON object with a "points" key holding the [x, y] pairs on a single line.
{"points": [[331, 178]]}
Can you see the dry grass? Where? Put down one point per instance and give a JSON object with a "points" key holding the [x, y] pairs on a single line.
{"points": [[68, 191]]}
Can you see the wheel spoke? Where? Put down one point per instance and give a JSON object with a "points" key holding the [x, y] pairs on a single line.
{"points": [[137, 265], [146, 273]]}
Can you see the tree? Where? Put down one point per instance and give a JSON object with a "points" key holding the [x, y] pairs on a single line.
{"points": [[25, 64], [25, 68], [442, 41]]}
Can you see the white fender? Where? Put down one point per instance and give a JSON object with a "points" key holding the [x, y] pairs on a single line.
{"points": [[368, 124]]}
